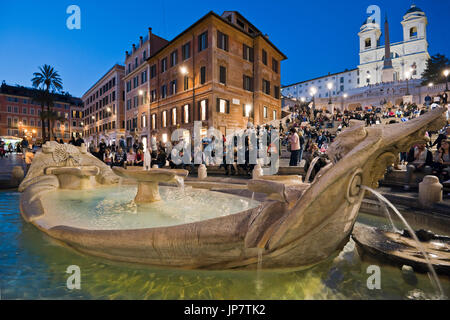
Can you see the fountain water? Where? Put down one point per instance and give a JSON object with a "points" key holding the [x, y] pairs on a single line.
{"points": [[388, 215], [311, 168], [434, 278]]}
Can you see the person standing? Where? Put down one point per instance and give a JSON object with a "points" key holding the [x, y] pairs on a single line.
{"points": [[122, 143], [294, 142], [153, 145], [302, 143], [79, 141], [102, 148]]}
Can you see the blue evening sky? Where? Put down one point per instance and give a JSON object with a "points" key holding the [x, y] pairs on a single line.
{"points": [[318, 36]]}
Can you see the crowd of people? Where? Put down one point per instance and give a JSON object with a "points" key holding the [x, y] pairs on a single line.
{"points": [[162, 154], [309, 132]]}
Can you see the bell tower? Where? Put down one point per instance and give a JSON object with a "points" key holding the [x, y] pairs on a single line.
{"points": [[414, 24], [369, 35]]}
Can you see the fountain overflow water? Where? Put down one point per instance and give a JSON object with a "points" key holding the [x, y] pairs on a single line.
{"points": [[434, 277], [388, 215]]}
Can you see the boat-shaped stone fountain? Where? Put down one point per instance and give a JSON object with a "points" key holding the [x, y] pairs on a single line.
{"points": [[297, 224]]}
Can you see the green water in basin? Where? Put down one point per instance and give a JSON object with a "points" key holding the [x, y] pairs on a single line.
{"points": [[33, 266], [113, 208]]}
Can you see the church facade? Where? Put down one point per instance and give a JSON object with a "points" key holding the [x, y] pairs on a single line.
{"points": [[406, 59]]}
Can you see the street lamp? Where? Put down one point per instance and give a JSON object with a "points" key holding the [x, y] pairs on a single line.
{"points": [[302, 99], [344, 96], [329, 86], [313, 92], [430, 84], [407, 74], [446, 72]]}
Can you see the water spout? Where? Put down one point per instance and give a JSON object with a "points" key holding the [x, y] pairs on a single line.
{"points": [[434, 278], [310, 169]]}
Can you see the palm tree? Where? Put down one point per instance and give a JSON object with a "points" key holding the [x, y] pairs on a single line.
{"points": [[40, 96], [47, 78]]}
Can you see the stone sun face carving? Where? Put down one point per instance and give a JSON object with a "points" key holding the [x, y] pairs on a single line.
{"points": [[63, 154]]}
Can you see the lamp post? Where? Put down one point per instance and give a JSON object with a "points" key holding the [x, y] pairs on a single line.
{"points": [[446, 73], [407, 74], [344, 96], [313, 92], [329, 86]]}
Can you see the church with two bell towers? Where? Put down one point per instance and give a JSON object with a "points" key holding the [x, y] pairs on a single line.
{"points": [[378, 64], [393, 61]]}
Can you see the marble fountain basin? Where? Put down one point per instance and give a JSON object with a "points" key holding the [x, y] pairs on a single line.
{"points": [[295, 225], [76, 178]]}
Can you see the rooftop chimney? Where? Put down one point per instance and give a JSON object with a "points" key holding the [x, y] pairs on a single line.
{"points": [[126, 55], [140, 41], [134, 47]]}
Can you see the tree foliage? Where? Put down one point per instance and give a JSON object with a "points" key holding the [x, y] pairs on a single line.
{"points": [[434, 71]]}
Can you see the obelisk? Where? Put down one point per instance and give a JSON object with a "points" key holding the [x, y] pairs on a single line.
{"points": [[387, 74]]}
